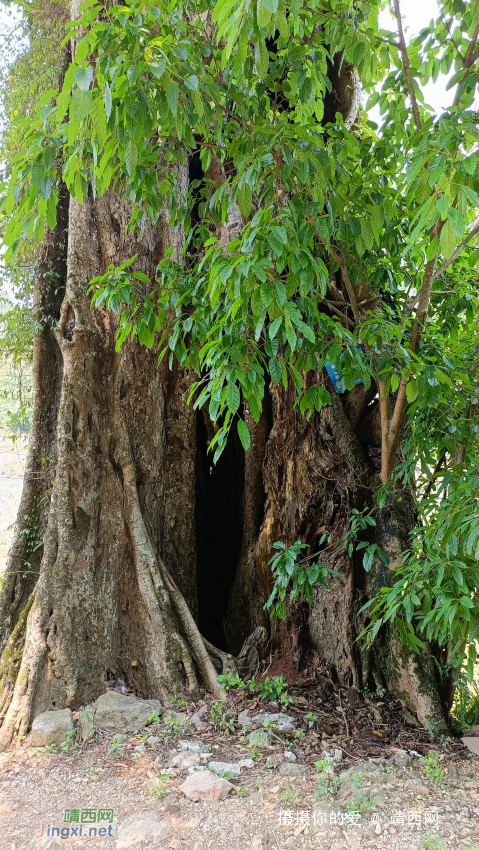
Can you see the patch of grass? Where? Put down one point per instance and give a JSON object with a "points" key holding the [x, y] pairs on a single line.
{"points": [[241, 791], [432, 769]]}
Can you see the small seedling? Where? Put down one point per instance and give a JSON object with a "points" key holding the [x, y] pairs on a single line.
{"points": [[50, 748], [241, 791], [158, 790], [255, 753], [136, 756], [67, 745], [274, 688], [328, 783], [356, 779], [171, 728], [153, 717], [289, 796], [362, 805], [433, 842], [220, 718], [177, 701], [311, 719], [432, 769], [228, 681], [117, 746]]}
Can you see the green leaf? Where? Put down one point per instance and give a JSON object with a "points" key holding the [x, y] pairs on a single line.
{"points": [[411, 390], [83, 77], [275, 370], [244, 434], [447, 241], [232, 396], [131, 157], [172, 93], [191, 82], [108, 101], [158, 68], [263, 14], [244, 199], [82, 101]]}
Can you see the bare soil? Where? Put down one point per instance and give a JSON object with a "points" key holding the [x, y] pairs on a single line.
{"points": [[37, 787]]}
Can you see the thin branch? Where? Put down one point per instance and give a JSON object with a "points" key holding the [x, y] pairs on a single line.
{"points": [[467, 61], [470, 235], [407, 67], [340, 259]]}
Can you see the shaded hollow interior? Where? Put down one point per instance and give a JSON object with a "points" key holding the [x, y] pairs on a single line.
{"points": [[219, 529]]}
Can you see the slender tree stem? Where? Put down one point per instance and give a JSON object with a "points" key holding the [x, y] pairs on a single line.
{"points": [[407, 67]]}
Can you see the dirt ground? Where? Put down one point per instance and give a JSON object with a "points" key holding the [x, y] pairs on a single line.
{"points": [[265, 810]]}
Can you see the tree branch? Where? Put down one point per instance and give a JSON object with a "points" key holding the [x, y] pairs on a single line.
{"points": [[464, 243], [340, 259], [407, 67]]}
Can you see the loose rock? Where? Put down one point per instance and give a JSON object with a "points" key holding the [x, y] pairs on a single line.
{"points": [[282, 722], [258, 738], [298, 771], [226, 769], [121, 713], [140, 827], [205, 786], [185, 760], [52, 727], [194, 746]]}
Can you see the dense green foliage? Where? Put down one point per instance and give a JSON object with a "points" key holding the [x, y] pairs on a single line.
{"points": [[394, 211], [30, 58]]}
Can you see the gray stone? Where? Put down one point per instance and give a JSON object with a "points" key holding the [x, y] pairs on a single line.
{"points": [[402, 759], [196, 718], [289, 756], [258, 738], [153, 740], [246, 763], [281, 722], [226, 769], [142, 826], [205, 786], [185, 760], [195, 746], [121, 713], [245, 719], [52, 727], [177, 718], [297, 771], [140, 748], [377, 796]]}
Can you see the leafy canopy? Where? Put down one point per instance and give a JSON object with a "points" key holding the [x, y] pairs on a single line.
{"points": [[391, 215]]}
